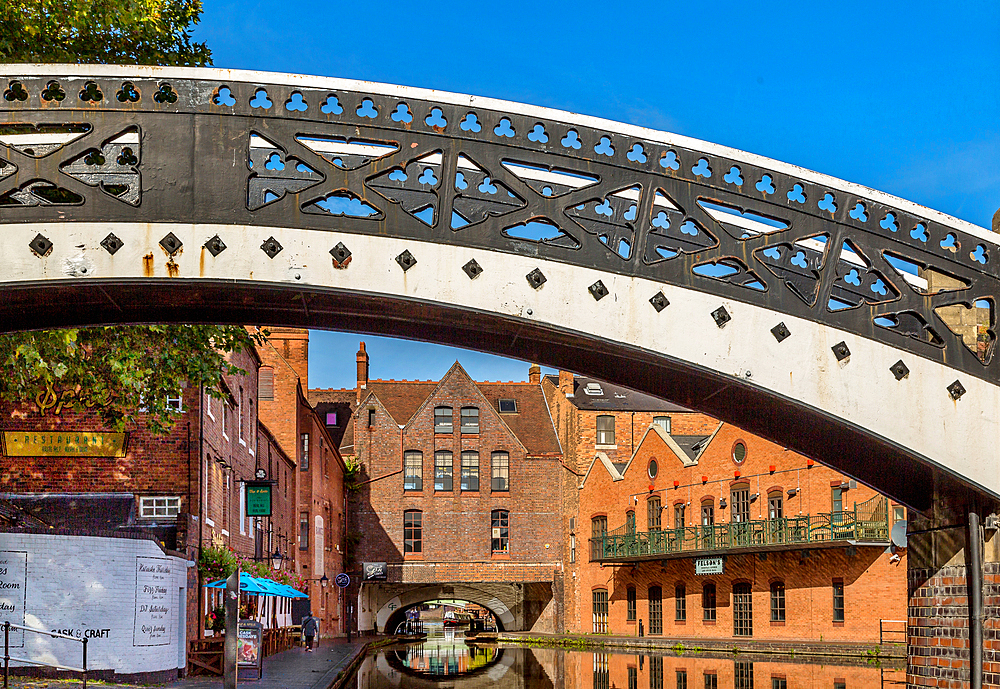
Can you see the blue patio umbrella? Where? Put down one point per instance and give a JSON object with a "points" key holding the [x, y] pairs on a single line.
{"points": [[248, 584]]}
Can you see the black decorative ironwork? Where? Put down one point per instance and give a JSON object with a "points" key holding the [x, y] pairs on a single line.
{"points": [[361, 162]]}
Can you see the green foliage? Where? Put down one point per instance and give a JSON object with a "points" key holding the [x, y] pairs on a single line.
{"points": [[118, 370], [145, 32], [216, 562]]}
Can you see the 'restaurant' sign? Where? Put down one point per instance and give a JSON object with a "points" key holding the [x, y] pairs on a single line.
{"points": [[708, 565], [64, 444]]}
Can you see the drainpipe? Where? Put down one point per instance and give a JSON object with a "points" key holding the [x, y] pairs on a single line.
{"points": [[974, 584], [201, 501]]}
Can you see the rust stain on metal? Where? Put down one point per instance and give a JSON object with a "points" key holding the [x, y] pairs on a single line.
{"points": [[342, 265], [147, 265], [173, 270]]}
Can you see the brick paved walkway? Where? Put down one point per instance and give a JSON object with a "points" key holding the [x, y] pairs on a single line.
{"points": [[292, 669]]}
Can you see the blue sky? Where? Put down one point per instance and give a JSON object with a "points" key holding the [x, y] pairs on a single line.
{"points": [[902, 97]]}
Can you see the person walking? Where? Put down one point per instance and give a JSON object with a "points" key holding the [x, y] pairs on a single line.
{"points": [[310, 627]]}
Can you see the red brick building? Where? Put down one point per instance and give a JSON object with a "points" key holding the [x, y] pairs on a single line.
{"points": [[318, 539], [185, 487], [694, 528], [459, 483]]}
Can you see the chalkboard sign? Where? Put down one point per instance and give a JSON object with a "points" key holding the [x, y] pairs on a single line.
{"points": [[249, 650]]}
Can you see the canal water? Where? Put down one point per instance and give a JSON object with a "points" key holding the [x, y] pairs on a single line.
{"points": [[445, 661]]}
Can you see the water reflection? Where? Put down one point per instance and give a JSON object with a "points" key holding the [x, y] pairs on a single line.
{"points": [[445, 661]]}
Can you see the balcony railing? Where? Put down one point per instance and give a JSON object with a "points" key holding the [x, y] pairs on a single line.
{"points": [[867, 523]]}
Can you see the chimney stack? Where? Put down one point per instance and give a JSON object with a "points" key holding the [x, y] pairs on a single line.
{"points": [[362, 371], [566, 383], [534, 374]]}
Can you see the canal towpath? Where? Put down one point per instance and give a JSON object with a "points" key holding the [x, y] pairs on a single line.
{"points": [[291, 669]]}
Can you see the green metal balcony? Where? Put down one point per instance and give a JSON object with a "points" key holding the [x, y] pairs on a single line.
{"points": [[867, 524]]}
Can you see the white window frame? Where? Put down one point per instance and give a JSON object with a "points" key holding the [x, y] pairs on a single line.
{"points": [[243, 509], [176, 403], [171, 506]]}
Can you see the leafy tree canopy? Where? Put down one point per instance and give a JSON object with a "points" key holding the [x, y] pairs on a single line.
{"points": [[118, 371], [145, 32]]}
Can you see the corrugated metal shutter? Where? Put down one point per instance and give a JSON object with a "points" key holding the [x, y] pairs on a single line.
{"points": [[265, 383]]}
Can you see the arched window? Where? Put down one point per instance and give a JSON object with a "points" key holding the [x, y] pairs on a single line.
{"points": [[680, 603], [630, 609], [500, 480], [443, 422], [413, 470], [708, 604], [470, 419], [606, 430], [443, 470], [742, 609], [741, 502], [500, 540], [630, 522], [775, 505], [598, 530], [413, 531], [777, 601], [653, 510], [600, 605], [708, 512], [470, 470], [655, 610]]}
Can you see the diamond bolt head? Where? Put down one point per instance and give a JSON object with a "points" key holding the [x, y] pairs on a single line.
{"points": [[780, 332], [473, 269], [659, 301], [598, 291], [956, 390], [112, 244], [340, 254], [40, 245], [721, 316], [171, 244], [841, 351], [271, 247], [406, 260], [215, 245], [899, 370], [535, 278]]}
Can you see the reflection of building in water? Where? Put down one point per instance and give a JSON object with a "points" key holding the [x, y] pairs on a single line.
{"points": [[546, 668], [695, 671]]}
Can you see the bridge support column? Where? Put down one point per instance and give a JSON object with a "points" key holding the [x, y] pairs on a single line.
{"points": [[953, 631]]}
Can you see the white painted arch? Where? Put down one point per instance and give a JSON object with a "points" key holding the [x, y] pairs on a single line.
{"points": [[915, 415]]}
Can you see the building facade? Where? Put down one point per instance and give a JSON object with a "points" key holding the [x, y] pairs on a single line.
{"points": [[318, 539], [458, 486], [688, 527]]}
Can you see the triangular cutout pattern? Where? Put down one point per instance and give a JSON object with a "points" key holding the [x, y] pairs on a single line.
{"points": [[797, 264], [611, 219], [40, 192], [732, 270], [923, 278], [974, 325], [479, 196], [343, 203], [7, 168], [114, 167], [542, 230], [549, 180], [910, 324], [670, 234], [40, 140], [413, 188], [273, 173], [348, 153], [742, 223], [857, 282]]}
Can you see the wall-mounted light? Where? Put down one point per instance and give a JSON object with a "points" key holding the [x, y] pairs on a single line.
{"points": [[722, 503], [792, 492], [753, 498], [324, 581]]}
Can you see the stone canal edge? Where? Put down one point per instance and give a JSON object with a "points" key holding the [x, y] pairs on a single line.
{"points": [[830, 649]]}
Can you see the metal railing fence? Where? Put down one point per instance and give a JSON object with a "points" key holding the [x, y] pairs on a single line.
{"points": [[7, 657]]}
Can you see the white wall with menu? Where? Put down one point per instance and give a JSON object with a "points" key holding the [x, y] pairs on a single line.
{"points": [[124, 595]]}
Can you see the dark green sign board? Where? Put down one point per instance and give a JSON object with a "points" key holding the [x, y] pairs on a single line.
{"points": [[258, 499]]}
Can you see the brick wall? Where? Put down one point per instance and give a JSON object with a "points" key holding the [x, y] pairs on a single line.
{"points": [[874, 586], [456, 523], [85, 585]]}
